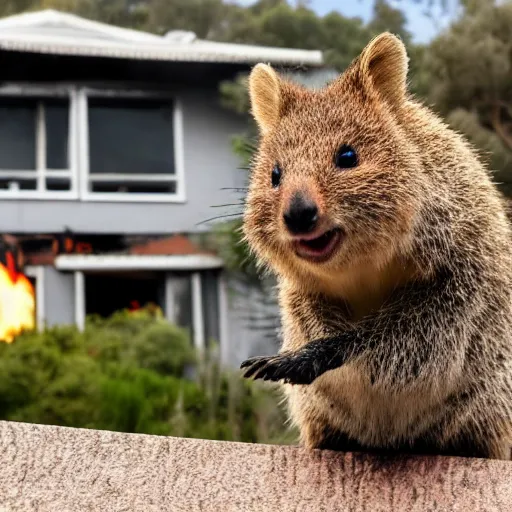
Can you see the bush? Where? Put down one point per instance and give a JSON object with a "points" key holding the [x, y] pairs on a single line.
{"points": [[127, 374]]}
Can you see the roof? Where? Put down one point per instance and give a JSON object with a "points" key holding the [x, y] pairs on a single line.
{"points": [[59, 33], [135, 262], [174, 245], [40, 258]]}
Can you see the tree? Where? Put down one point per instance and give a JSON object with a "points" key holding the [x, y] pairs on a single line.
{"points": [[203, 17], [444, 5], [8, 7], [386, 18], [469, 69], [126, 13]]}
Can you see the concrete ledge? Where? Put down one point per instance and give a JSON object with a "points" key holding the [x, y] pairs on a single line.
{"points": [[47, 468]]}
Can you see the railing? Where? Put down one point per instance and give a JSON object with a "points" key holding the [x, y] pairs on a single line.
{"points": [[46, 468]]}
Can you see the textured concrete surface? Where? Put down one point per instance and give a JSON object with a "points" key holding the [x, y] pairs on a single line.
{"points": [[58, 469]]}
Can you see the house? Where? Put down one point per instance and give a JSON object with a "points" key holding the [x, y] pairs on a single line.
{"points": [[113, 150]]}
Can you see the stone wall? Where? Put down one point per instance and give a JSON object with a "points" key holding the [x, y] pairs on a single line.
{"points": [[47, 468]]}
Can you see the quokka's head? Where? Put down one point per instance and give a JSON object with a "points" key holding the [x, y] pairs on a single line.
{"points": [[333, 182]]}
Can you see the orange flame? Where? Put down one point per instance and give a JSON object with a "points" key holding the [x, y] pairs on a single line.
{"points": [[17, 302], [134, 305]]}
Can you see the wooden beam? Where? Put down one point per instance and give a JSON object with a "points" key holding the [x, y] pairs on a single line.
{"points": [[47, 468]]}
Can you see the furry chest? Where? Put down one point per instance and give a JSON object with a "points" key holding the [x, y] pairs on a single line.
{"points": [[344, 400]]}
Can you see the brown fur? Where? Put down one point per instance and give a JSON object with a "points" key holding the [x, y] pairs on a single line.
{"points": [[423, 276]]}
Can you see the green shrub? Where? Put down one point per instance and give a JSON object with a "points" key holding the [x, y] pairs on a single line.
{"points": [[126, 374]]}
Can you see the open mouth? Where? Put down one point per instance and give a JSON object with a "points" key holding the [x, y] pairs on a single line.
{"points": [[318, 249]]}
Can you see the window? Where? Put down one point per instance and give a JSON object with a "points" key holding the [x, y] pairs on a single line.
{"points": [[132, 153], [98, 145], [210, 300], [35, 147]]}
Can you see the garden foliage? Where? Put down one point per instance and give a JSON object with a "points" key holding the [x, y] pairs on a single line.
{"points": [[133, 372]]}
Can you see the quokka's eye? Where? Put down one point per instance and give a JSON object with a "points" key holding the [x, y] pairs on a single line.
{"points": [[276, 176], [345, 157]]}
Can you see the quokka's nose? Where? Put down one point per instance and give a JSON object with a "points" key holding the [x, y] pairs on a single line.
{"points": [[301, 217]]}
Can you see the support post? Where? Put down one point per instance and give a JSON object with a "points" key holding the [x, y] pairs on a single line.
{"points": [[197, 312], [80, 300]]}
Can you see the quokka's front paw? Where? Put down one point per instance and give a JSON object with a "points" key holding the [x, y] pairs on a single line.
{"points": [[288, 367]]}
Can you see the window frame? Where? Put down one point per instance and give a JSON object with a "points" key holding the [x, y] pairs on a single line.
{"points": [[86, 176], [41, 172], [78, 148]]}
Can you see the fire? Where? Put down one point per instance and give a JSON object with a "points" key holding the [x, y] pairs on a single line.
{"points": [[17, 303], [134, 305]]}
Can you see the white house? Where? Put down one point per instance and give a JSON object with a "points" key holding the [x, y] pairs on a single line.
{"points": [[113, 150]]}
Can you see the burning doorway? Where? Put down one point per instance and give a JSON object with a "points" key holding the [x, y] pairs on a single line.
{"points": [[106, 293]]}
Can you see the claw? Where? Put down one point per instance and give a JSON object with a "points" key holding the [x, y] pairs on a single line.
{"points": [[285, 367], [249, 362], [253, 365]]}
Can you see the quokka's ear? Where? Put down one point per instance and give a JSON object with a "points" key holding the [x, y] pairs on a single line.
{"points": [[383, 65], [265, 93]]}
